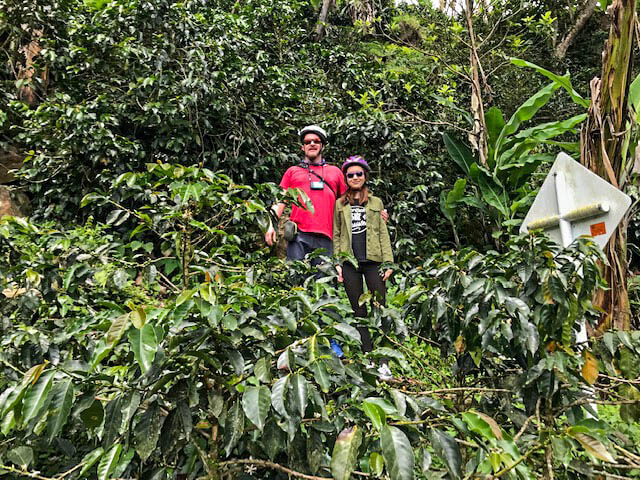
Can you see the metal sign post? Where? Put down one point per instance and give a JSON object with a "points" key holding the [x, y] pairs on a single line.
{"points": [[572, 202]]}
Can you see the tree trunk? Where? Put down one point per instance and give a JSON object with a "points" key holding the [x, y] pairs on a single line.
{"points": [[602, 139], [586, 12], [26, 72], [363, 12], [322, 18], [478, 135]]}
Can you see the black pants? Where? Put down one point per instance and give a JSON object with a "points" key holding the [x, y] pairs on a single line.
{"points": [[305, 243], [354, 286]]}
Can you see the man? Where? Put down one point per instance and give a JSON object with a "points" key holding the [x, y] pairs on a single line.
{"points": [[323, 184]]}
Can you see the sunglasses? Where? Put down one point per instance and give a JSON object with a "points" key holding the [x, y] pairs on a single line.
{"points": [[355, 174], [309, 142]]}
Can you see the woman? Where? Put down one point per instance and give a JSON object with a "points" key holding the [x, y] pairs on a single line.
{"points": [[358, 229]]}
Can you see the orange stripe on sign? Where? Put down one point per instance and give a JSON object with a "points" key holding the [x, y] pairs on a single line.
{"points": [[598, 229]]}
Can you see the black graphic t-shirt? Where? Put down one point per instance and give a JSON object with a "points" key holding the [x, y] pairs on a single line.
{"points": [[359, 231]]}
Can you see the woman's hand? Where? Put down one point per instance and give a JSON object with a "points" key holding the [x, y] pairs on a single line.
{"points": [[339, 270], [386, 274]]}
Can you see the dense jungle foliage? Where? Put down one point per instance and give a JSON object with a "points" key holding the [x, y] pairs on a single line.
{"points": [[148, 332]]}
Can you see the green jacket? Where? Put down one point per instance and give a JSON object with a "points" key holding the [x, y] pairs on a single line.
{"points": [[378, 241]]}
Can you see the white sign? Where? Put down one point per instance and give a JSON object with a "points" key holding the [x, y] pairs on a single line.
{"points": [[573, 201]]}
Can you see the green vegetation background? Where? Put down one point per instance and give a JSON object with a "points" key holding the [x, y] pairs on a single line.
{"points": [[147, 332]]}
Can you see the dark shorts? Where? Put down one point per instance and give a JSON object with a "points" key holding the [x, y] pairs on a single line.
{"points": [[305, 243]]}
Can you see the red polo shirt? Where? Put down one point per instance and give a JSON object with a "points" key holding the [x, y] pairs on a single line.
{"points": [[321, 220]]}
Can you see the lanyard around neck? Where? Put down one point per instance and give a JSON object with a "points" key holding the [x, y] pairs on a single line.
{"points": [[321, 177]]}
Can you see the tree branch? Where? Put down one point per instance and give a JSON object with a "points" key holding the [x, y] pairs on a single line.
{"points": [[585, 14], [463, 389], [272, 465], [508, 468], [24, 472]]}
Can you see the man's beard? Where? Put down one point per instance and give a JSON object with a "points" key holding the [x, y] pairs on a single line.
{"points": [[312, 156]]}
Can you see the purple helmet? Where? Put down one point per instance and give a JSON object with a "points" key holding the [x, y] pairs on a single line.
{"points": [[355, 160]]}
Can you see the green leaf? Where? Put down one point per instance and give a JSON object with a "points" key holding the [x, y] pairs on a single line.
{"points": [[89, 460], [495, 123], [11, 396], [130, 402], [108, 462], [516, 156], [560, 80], [101, 350], [312, 348], [90, 198], [147, 431], [138, 317], [448, 211], [278, 393], [8, 422], [447, 449], [123, 463], [117, 217], [545, 131], [400, 401], [634, 98], [183, 413], [530, 337], [256, 402], [184, 296], [386, 407], [525, 112], [92, 417], [514, 304], [449, 200], [321, 375], [315, 450], [441, 307], [21, 456], [289, 318], [117, 329], [36, 396], [457, 192], [274, 440], [262, 369], [345, 453], [376, 464], [459, 152], [482, 425], [215, 316], [144, 345], [300, 391], [233, 427], [493, 193], [61, 400], [237, 360], [113, 413], [348, 330], [397, 453], [375, 414], [426, 461]]}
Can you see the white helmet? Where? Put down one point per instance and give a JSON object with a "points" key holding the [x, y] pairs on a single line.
{"points": [[314, 129]]}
